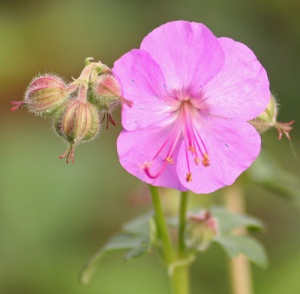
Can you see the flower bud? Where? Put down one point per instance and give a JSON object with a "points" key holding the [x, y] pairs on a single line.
{"points": [[106, 96], [78, 122], [107, 92], [44, 95], [201, 229], [268, 119]]}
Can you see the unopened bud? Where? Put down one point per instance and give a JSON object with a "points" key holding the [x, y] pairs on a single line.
{"points": [[268, 119], [78, 122], [201, 229], [44, 95], [107, 91], [107, 96]]}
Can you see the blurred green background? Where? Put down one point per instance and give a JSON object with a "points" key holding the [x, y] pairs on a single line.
{"points": [[54, 216]]}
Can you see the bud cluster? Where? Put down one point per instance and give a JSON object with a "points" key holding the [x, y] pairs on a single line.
{"points": [[77, 109]]}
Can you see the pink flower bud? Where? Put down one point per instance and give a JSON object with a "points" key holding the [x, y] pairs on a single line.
{"points": [[78, 122], [107, 92], [107, 96], [44, 95], [201, 229], [107, 87]]}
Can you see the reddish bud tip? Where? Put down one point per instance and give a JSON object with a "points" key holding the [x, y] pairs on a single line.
{"points": [[17, 105], [284, 128], [69, 154]]}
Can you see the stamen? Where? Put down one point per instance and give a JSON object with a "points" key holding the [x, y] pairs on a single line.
{"points": [[146, 167], [183, 129], [170, 160], [205, 160], [188, 177], [192, 149]]}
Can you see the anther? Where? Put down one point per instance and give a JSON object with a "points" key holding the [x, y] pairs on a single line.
{"points": [[170, 160], [192, 149], [205, 160], [188, 177]]}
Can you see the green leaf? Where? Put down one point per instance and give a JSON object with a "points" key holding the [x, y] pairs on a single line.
{"points": [[227, 221], [146, 233], [137, 237], [138, 226], [141, 249], [235, 245]]}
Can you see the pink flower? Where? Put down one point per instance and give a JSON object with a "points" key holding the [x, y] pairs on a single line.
{"points": [[192, 95]]}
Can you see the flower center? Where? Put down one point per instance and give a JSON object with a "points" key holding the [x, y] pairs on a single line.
{"points": [[186, 119]]}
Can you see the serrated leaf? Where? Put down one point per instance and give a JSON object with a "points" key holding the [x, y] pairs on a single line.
{"points": [[235, 245], [227, 221]]}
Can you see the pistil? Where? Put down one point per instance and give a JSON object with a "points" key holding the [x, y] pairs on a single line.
{"points": [[184, 129]]}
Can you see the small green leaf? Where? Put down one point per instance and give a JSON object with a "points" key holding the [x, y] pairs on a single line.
{"points": [[143, 248], [228, 221], [234, 245], [138, 226]]}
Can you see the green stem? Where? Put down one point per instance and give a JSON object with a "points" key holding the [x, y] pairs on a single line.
{"points": [[177, 262], [182, 222], [161, 225], [180, 280]]}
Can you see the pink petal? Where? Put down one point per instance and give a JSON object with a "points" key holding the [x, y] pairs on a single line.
{"points": [[241, 88], [143, 83], [232, 147], [188, 54], [140, 146]]}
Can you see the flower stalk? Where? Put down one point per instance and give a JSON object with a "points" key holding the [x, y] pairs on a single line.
{"points": [[182, 222], [161, 225], [176, 261]]}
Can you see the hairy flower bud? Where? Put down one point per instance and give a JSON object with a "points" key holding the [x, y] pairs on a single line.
{"points": [[78, 122], [268, 119], [201, 229], [106, 95], [44, 95]]}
